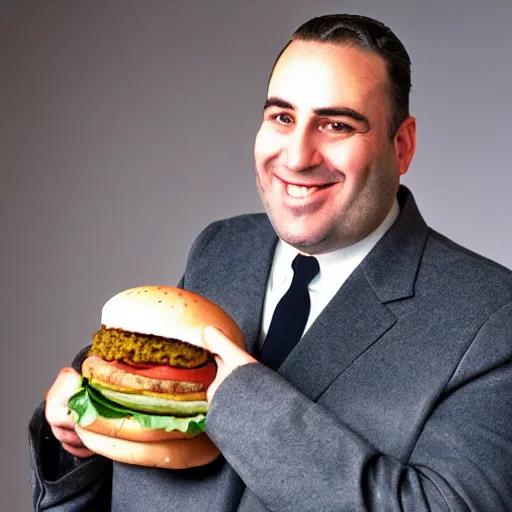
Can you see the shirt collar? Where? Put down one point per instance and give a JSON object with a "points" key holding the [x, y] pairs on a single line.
{"points": [[336, 265]]}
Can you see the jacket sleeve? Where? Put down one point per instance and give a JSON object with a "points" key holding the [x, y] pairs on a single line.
{"points": [[295, 455], [61, 482]]}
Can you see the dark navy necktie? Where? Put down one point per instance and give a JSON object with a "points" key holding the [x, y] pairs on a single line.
{"points": [[291, 314]]}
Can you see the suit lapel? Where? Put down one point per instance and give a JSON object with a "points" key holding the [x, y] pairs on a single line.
{"points": [[357, 316], [254, 280], [240, 287], [325, 351]]}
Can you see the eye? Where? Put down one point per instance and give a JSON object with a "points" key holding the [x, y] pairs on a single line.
{"points": [[281, 118], [336, 127]]}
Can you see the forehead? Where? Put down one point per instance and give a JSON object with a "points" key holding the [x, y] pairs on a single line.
{"points": [[311, 74]]}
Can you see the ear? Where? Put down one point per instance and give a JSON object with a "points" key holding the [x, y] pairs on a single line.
{"points": [[405, 143]]}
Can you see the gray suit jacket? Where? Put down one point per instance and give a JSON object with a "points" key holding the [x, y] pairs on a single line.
{"points": [[399, 396]]}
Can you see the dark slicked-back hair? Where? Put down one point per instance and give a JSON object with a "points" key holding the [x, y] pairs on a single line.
{"points": [[371, 35]]}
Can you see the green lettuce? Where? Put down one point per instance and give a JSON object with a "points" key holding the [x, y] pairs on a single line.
{"points": [[88, 404]]}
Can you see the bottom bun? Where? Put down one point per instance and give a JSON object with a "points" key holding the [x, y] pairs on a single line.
{"points": [[171, 453]]}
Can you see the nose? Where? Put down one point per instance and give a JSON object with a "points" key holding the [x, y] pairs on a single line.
{"points": [[301, 151]]}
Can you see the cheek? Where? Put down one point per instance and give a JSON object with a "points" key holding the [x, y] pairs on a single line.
{"points": [[266, 146], [351, 158]]}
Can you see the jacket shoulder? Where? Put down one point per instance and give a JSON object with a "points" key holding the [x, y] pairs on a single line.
{"points": [[232, 234], [465, 272], [464, 256]]}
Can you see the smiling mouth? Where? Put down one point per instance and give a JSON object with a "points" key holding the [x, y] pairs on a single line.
{"points": [[300, 191]]}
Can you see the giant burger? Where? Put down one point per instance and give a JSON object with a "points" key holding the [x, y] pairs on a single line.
{"points": [[144, 382]]}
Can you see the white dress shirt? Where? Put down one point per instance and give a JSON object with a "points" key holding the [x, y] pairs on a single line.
{"points": [[335, 268]]}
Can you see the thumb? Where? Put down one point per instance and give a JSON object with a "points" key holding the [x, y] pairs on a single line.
{"points": [[216, 342], [228, 356]]}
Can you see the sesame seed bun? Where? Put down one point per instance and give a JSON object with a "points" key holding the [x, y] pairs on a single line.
{"points": [[169, 312]]}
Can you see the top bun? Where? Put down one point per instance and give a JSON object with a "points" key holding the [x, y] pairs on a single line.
{"points": [[169, 312]]}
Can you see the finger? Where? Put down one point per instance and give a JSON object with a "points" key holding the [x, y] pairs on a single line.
{"points": [[66, 436], [81, 453], [57, 414], [66, 385], [218, 343], [64, 373], [228, 357]]}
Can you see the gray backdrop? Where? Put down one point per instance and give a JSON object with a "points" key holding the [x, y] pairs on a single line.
{"points": [[126, 126]]}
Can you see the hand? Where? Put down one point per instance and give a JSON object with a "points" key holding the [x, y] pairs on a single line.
{"points": [[58, 415], [228, 356]]}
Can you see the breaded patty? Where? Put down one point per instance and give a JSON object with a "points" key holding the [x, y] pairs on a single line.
{"points": [[119, 345]]}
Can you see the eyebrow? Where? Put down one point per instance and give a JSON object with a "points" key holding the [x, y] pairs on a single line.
{"points": [[324, 111]]}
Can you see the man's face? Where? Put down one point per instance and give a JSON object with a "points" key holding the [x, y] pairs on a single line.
{"points": [[327, 169]]}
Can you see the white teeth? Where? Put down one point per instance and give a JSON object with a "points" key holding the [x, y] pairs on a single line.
{"points": [[298, 191]]}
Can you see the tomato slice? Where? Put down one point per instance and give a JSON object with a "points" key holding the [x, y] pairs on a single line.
{"points": [[204, 374]]}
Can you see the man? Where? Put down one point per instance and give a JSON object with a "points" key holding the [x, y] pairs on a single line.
{"points": [[397, 396]]}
